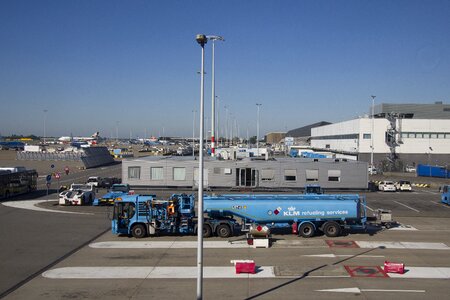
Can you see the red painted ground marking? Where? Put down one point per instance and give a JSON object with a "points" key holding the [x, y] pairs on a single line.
{"points": [[341, 244], [366, 271]]}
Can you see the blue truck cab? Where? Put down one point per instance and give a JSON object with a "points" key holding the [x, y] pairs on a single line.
{"points": [[143, 215]]}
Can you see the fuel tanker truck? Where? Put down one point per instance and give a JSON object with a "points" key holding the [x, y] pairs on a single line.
{"points": [[305, 214], [227, 215]]}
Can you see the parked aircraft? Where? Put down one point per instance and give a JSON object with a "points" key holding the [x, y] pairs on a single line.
{"points": [[92, 139]]}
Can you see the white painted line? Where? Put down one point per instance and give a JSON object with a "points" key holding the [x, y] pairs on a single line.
{"points": [[167, 245], [356, 290], [152, 273], [31, 205], [440, 204], [430, 192], [403, 245], [335, 256], [423, 272], [407, 206]]}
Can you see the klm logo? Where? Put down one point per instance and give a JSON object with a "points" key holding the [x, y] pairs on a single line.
{"points": [[291, 212]]}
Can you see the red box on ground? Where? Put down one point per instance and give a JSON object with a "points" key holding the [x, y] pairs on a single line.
{"points": [[392, 267], [245, 267]]}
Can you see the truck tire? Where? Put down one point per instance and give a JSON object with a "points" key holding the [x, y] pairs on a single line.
{"points": [[306, 230], [207, 232], [331, 229], [223, 231], [138, 231]]}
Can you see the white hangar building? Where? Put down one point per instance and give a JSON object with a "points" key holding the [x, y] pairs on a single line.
{"points": [[403, 134]]}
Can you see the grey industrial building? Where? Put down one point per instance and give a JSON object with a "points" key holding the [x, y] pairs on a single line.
{"points": [[279, 173]]}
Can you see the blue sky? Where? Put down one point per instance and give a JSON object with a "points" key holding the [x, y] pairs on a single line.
{"points": [[99, 65]]}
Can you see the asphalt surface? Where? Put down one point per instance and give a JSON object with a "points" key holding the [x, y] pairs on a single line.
{"points": [[34, 242]]}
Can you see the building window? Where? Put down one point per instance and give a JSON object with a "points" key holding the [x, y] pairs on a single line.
{"points": [[312, 175], [411, 135], [433, 135], [156, 173], [419, 135], [217, 171], [134, 172], [267, 174], [290, 175], [334, 175], [367, 136], [404, 135], [426, 135], [179, 173], [441, 135], [327, 146], [227, 171], [447, 135]]}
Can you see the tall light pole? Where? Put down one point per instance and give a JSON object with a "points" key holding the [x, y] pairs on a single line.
{"points": [[45, 121], [213, 38], [202, 40], [226, 125], [218, 123], [371, 136], [258, 105], [193, 132]]}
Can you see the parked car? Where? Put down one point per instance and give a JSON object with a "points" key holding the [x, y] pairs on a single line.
{"points": [[410, 169], [403, 185], [387, 186]]}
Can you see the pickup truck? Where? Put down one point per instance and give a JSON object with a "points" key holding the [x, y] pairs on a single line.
{"points": [[116, 191]]}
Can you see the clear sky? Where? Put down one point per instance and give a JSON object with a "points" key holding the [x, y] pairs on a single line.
{"points": [[132, 65]]}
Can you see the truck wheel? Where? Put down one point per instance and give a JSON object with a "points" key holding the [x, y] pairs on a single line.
{"points": [[306, 230], [138, 231], [223, 231], [331, 229], [90, 199], [207, 232]]}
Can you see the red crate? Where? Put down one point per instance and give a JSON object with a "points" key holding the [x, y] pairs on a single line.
{"points": [[392, 267], [245, 267]]}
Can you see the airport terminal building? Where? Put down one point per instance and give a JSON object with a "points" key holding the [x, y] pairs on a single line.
{"points": [[248, 173], [403, 134]]}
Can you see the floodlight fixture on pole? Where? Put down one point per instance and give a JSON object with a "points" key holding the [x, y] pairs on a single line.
{"points": [[202, 40], [257, 129], [371, 136], [213, 38]]}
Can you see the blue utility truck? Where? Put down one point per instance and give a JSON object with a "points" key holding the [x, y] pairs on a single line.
{"points": [[143, 215], [305, 213]]}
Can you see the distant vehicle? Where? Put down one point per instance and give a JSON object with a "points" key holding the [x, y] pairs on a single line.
{"points": [[94, 181], [387, 186], [108, 182], [403, 185], [410, 169], [17, 180], [78, 194], [445, 196], [116, 191], [372, 170]]}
